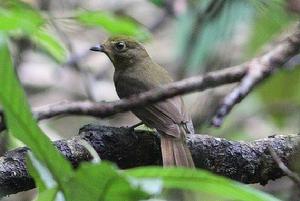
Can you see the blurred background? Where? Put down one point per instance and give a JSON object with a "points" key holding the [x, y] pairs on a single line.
{"points": [[50, 41]]}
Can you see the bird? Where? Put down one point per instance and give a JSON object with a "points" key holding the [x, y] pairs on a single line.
{"points": [[136, 72]]}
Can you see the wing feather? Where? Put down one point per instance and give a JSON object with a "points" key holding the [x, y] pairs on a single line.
{"points": [[166, 116]]}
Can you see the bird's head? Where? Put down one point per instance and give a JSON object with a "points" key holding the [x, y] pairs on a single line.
{"points": [[122, 51]]}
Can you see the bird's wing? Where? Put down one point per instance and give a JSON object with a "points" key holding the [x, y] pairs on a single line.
{"points": [[166, 116]]}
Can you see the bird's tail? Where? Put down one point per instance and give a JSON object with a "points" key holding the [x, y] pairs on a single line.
{"points": [[175, 152]]}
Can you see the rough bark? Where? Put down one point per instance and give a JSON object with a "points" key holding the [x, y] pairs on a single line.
{"points": [[247, 162]]}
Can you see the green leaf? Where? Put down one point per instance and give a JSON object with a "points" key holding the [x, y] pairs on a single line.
{"points": [[48, 195], [19, 16], [113, 24], [21, 19], [202, 181], [50, 44], [43, 178], [101, 181], [151, 186], [20, 121], [158, 3]]}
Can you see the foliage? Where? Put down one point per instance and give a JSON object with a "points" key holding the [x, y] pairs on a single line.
{"points": [[35, 26], [12, 17], [201, 181], [20, 120], [50, 44], [111, 23], [13, 23]]}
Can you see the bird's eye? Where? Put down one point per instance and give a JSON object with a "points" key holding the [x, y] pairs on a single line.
{"points": [[120, 46]]}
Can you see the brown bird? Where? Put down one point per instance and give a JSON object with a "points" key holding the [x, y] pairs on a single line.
{"points": [[136, 72]]}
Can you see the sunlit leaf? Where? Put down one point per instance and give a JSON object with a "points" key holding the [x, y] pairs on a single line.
{"points": [[50, 44], [43, 178], [21, 122], [101, 181], [19, 16], [111, 23], [202, 181], [47, 195]]}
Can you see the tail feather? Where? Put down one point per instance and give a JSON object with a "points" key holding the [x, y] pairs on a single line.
{"points": [[175, 152], [167, 151]]}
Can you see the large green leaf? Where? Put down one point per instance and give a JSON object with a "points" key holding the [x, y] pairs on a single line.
{"points": [[91, 181], [42, 178], [20, 121], [19, 16], [202, 181], [101, 181], [47, 195], [111, 23], [21, 19], [50, 44]]}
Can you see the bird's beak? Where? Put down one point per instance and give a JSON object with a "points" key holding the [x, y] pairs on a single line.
{"points": [[97, 48]]}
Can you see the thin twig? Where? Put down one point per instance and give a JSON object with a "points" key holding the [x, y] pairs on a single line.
{"points": [[259, 69], [293, 176]]}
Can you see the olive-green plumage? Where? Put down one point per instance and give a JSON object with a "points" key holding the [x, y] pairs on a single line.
{"points": [[135, 72]]}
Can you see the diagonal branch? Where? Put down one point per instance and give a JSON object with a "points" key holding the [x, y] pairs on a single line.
{"points": [[198, 83], [259, 69], [245, 162]]}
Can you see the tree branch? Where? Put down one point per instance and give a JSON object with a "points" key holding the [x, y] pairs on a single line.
{"points": [[245, 162], [198, 83], [259, 69]]}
